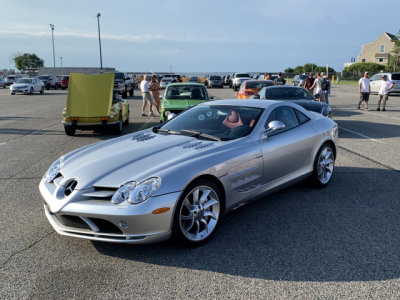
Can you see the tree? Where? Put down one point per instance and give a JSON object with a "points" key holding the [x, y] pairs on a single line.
{"points": [[298, 70], [28, 61], [361, 67], [309, 67], [394, 61], [289, 70]]}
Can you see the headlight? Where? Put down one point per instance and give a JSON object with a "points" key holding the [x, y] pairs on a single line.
{"points": [[54, 170], [326, 111], [112, 114], [136, 193]]}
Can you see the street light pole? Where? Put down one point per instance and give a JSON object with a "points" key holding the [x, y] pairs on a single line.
{"points": [[61, 60], [52, 38], [98, 27]]}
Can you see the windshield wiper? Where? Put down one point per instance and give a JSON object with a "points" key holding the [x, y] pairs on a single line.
{"points": [[168, 131], [197, 134]]}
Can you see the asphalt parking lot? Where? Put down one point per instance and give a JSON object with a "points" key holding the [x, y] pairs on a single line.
{"points": [[339, 242]]}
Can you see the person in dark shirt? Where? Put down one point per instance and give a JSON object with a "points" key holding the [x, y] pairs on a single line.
{"points": [[309, 82], [279, 80]]}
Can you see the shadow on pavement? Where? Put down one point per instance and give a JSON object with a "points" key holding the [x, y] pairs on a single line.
{"points": [[299, 234]]}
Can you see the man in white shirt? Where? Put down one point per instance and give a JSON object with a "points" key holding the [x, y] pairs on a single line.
{"points": [[145, 89], [364, 87], [385, 87]]}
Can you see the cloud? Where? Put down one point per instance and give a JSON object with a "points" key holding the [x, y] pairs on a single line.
{"points": [[145, 38]]}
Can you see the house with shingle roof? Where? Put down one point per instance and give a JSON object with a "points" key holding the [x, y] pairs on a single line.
{"points": [[378, 51]]}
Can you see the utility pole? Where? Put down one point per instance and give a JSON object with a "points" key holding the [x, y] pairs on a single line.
{"points": [[98, 27], [52, 38]]}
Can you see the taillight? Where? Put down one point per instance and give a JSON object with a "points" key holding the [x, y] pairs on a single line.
{"points": [[248, 93]]}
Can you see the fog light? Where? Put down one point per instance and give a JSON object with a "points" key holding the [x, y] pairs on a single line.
{"points": [[123, 224]]}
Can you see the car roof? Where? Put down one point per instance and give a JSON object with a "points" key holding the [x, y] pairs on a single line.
{"points": [[283, 87]]}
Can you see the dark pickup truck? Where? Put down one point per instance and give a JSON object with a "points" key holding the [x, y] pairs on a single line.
{"points": [[123, 85]]}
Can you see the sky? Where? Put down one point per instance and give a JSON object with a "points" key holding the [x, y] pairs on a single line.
{"points": [[193, 35]]}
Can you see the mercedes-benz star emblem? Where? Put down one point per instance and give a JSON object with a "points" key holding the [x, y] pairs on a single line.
{"points": [[69, 187]]}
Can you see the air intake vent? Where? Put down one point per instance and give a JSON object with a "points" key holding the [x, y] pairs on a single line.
{"points": [[143, 137]]}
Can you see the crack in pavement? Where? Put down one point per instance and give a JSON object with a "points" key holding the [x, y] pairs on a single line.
{"points": [[26, 248]]}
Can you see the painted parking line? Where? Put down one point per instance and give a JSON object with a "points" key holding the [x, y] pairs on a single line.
{"points": [[362, 135], [383, 116]]}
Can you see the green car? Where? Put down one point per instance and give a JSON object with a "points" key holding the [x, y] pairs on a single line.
{"points": [[181, 96]]}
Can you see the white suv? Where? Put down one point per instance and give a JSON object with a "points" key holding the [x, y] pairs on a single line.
{"points": [[238, 79]]}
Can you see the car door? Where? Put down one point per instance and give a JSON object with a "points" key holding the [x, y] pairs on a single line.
{"points": [[288, 150], [35, 85]]}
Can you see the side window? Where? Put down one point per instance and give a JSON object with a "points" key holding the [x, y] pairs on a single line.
{"points": [[302, 118], [286, 115], [375, 77]]}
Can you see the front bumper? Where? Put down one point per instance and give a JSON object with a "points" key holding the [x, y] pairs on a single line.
{"points": [[24, 91], [100, 220]]}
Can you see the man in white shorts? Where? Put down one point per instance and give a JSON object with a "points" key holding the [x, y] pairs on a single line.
{"points": [[386, 86], [145, 89]]}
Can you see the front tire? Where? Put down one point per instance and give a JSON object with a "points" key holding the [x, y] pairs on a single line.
{"points": [[31, 91], [324, 165], [198, 213], [42, 90]]}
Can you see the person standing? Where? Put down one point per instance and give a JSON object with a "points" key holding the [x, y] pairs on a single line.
{"points": [[279, 80], [145, 89], [267, 76], [326, 88], [364, 87], [317, 86], [155, 91], [385, 87], [309, 82]]}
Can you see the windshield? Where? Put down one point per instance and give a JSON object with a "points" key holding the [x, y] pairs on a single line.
{"points": [[242, 75], [43, 77], [119, 76], [258, 84], [222, 122], [24, 80], [215, 77], [166, 79], [186, 92], [288, 94], [194, 78]]}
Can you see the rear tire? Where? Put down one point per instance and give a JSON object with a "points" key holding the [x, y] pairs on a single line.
{"points": [[42, 90], [118, 126], [70, 129], [324, 165]]}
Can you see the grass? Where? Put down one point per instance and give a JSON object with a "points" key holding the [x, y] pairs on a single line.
{"points": [[347, 82]]}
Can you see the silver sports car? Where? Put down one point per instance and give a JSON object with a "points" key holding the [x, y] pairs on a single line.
{"points": [[178, 178]]}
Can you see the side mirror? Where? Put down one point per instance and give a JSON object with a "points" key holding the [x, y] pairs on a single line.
{"points": [[256, 97], [274, 126]]}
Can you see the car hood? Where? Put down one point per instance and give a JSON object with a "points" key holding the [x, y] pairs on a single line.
{"points": [[133, 157], [180, 104]]}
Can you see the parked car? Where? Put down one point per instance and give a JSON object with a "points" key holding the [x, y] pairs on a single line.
{"points": [[49, 81], [377, 78], [165, 81], [194, 79], [273, 77], [180, 96], [64, 82], [227, 79], [238, 79], [298, 95], [215, 81], [299, 80], [59, 78], [3, 83], [10, 79], [179, 178], [252, 87], [27, 86], [92, 103]]}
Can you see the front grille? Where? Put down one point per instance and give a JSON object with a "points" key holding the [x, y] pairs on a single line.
{"points": [[72, 221], [106, 226]]}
